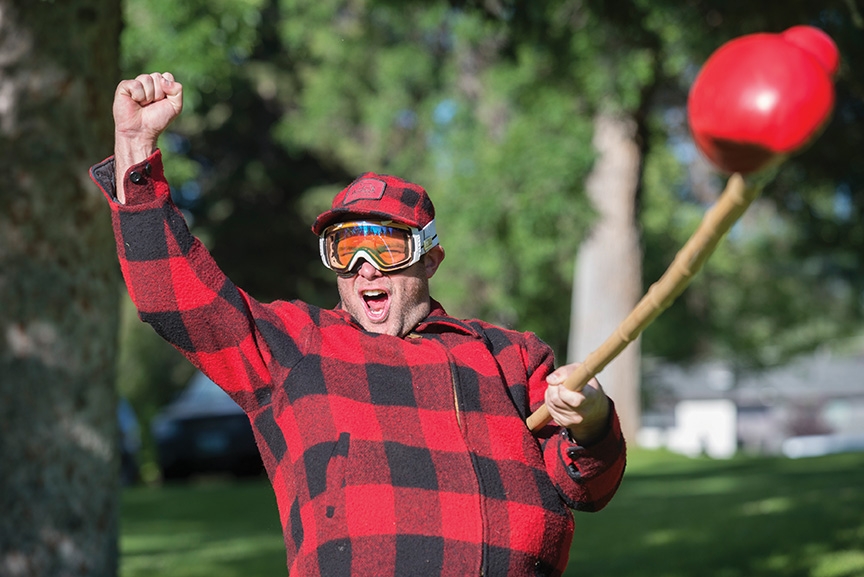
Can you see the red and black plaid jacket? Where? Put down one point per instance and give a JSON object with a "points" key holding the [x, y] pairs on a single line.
{"points": [[388, 456]]}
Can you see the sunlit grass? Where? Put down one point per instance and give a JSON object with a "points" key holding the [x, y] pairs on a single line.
{"points": [[673, 517], [747, 517]]}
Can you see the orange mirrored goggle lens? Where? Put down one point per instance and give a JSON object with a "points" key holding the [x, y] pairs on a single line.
{"points": [[387, 247]]}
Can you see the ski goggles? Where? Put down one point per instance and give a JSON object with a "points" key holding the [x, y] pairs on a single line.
{"points": [[386, 245]]}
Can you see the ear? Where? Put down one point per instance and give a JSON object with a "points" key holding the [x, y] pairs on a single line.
{"points": [[433, 260]]}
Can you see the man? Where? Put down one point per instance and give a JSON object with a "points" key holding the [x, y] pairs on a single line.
{"points": [[392, 433]]}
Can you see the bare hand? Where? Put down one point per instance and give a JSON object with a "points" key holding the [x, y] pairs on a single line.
{"points": [[145, 106], [143, 109], [585, 412]]}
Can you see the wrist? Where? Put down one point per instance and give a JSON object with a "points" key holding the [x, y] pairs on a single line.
{"points": [[133, 149], [585, 437], [129, 151], [592, 431]]}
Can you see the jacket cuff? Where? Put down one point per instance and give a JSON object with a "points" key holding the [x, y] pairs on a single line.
{"points": [[141, 181], [584, 459], [587, 477]]}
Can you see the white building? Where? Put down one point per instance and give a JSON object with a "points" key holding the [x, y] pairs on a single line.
{"points": [[814, 405]]}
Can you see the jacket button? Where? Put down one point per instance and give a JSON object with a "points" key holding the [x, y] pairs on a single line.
{"points": [[136, 177], [573, 452], [147, 169]]}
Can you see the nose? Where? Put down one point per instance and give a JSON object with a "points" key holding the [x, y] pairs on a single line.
{"points": [[368, 271]]}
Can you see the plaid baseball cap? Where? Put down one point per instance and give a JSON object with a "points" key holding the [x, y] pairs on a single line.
{"points": [[380, 197]]}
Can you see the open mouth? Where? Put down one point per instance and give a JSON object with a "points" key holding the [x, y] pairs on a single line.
{"points": [[377, 304]]}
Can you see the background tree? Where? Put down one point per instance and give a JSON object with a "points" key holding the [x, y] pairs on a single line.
{"points": [[788, 280], [494, 107], [327, 90], [58, 290]]}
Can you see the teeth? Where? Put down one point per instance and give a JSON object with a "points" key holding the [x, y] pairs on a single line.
{"points": [[373, 293]]}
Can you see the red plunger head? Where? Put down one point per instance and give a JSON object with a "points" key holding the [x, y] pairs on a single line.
{"points": [[762, 97]]}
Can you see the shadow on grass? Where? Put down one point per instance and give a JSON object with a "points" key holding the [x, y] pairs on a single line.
{"points": [[213, 529], [676, 517]]}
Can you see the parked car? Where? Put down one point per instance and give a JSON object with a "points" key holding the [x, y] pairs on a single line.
{"points": [[204, 431]]}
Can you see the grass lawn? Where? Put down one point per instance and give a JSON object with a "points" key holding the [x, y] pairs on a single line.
{"points": [[672, 517], [213, 528], [675, 517]]}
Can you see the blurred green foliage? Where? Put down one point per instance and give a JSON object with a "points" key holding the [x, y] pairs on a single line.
{"points": [[489, 105]]}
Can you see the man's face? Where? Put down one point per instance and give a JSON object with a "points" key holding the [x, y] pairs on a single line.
{"points": [[389, 303]]}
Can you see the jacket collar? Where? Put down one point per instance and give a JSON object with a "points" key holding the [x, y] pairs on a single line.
{"points": [[438, 321]]}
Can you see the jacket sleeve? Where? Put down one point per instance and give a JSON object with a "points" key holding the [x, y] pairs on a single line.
{"points": [[178, 288], [586, 477]]}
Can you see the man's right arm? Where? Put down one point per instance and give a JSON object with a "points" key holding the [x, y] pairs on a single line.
{"points": [[172, 279]]}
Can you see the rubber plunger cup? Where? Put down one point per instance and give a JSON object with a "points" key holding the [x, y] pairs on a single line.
{"points": [[734, 200]]}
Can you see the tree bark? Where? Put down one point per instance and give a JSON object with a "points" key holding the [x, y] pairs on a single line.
{"points": [[608, 274], [59, 288]]}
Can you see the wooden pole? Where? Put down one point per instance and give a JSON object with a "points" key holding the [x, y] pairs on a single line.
{"points": [[734, 200]]}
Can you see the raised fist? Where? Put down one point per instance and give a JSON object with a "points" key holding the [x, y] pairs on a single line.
{"points": [[146, 105]]}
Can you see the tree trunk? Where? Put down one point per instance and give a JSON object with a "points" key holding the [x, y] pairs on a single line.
{"points": [[608, 275], [58, 290]]}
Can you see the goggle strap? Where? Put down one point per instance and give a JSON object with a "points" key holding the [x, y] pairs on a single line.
{"points": [[428, 237]]}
